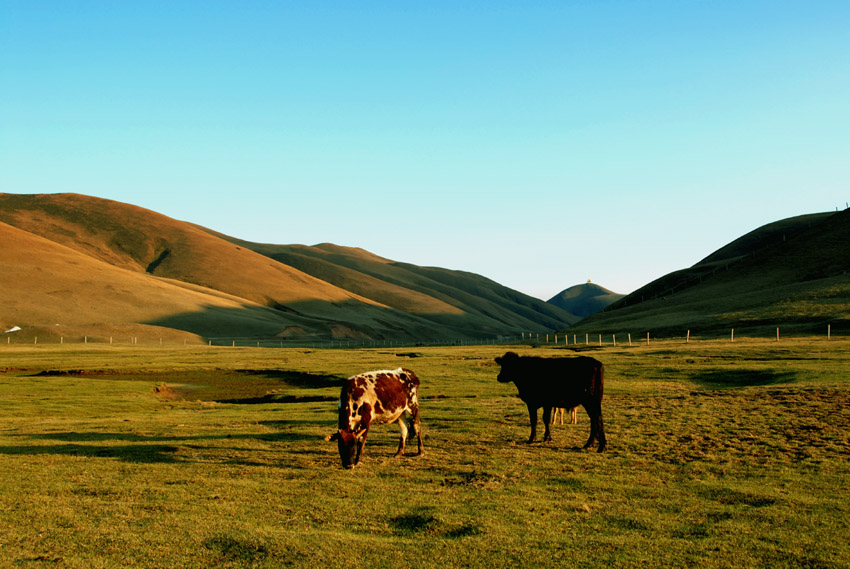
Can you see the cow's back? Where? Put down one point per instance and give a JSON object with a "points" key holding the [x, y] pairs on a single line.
{"points": [[560, 382], [383, 395]]}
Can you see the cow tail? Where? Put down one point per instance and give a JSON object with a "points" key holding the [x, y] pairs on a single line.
{"points": [[597, 384]]}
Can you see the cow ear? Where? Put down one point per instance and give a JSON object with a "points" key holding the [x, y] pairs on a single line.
{"points": [[499, 360]]}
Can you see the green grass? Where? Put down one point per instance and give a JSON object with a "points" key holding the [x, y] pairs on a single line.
{"points": [[719, 455]]}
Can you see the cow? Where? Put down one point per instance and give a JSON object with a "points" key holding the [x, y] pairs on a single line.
{"points": [[376, 397], [558, 415], [557, 382]]}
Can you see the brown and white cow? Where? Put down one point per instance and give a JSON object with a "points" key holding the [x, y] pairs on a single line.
{"points": [[557, 382], [376, 397]]}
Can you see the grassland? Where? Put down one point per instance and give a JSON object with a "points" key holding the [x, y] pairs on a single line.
{"points": [[720, 455]]}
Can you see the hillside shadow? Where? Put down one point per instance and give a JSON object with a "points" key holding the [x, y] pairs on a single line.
{"points": [[730, 378], [314, 322], [164, 449], [319, 322]]}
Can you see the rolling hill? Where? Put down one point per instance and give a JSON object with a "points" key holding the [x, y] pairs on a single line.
{"points": [[585, 299], [790, 274], [94, 264]]}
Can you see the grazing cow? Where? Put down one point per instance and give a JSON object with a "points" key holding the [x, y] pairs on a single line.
{"points": [[557, 382], [375, 397], [558, 415]]}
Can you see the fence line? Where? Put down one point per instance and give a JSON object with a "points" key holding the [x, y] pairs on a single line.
{"points": [[534, 339], [269, 343]]}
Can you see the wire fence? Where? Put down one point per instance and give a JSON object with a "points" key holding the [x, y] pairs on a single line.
{"points": [[249, 342], [576, 340]]}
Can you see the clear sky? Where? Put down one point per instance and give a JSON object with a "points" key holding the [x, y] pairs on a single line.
{"points": [[540, 144]]}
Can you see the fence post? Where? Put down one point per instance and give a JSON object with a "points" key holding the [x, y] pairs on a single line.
{"points": [[829, 331], [688, 338], [630, 338], [614, 338], [733, 334], [777, 334], [647, 338]]}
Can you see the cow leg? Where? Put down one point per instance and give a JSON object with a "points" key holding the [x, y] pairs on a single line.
{"points": [[558, 416], [547, 419], [361, 442], [402, 425], [594, 411], [600, 432], [532, 416], [573, 417], [414, 419]]}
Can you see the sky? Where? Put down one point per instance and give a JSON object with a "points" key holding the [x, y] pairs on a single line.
{"points": [[539, 144]]}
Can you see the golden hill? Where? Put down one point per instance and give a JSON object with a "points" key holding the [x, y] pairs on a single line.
{"points": [[87, 261]]}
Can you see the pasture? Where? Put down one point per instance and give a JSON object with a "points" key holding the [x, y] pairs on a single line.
{"points": [[719, 455]]}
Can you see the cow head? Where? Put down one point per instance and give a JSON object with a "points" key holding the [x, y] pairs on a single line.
{"points": [[350, 444], [507, 362]]}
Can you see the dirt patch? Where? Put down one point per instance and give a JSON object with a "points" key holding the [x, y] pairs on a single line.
{"points": [[166, 393]]}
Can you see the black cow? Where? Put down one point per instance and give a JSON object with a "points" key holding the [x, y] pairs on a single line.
{"points": [[557, 382]]}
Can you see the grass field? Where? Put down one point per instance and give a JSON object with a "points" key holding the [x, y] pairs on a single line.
{"points": [[720, 455]]}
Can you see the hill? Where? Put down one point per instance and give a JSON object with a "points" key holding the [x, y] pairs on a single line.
{"points": [[177, 275], [445, 296], [585, 299], [790, 274]]}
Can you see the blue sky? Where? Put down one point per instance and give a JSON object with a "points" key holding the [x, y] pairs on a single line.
{"points": [[539, 144]]}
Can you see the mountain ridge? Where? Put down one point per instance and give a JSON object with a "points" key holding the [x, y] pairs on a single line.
{"points": [[372, 298], [585, 299], [791, 273]]}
